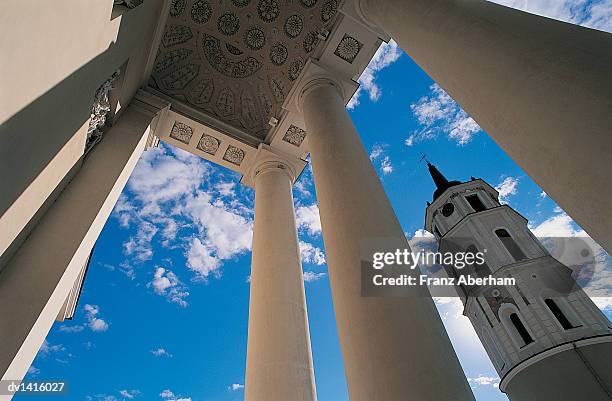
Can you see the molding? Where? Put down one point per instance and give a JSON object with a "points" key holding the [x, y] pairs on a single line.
{"points": [[503, 384], [268, 159], [157, 37]]}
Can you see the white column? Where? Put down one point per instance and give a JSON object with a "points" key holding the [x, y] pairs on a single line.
{"points": [[393, 348], [279, 360], [37, 279], [539, 87]]}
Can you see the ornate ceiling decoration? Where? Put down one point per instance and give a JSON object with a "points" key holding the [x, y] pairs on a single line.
{"points": [[237, 60]]}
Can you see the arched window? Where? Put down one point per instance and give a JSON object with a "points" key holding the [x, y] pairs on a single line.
{"points": [[510, 244], [558, 313], [520, 328], [475, 203]]}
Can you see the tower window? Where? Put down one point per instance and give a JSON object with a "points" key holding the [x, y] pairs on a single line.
{"points": [[510, 244], [481, 270], [475, 203], [559, 315], [437, 232], [520, 328]]}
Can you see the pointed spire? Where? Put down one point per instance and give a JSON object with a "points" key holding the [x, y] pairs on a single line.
{"points": [[442, 184]]}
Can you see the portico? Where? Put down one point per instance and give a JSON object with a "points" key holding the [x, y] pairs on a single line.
{"points": [[256, 87]]}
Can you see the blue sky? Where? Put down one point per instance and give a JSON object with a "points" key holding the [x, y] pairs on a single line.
{"points": [[164, 309]]}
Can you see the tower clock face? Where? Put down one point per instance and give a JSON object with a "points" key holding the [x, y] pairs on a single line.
{"points": [[448, 209]]}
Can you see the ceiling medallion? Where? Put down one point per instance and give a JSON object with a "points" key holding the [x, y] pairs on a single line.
{"points": [[294, 135], [294, 25], [295, 68], [348, 48], [172, 57], [278, 53], [310, 41], [181, 132], [208, 144], [228, 24], [236, 69], [177, 7], [254, 38], [234, 155], [176, 34], [329, 9], [201, 11], [309, 3], [268, 10]]}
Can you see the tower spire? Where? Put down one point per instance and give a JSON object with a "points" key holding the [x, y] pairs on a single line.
{"points": [[442, 184]]}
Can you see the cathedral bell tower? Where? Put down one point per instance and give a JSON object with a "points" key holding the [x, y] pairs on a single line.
{"points": [[545, 337]]}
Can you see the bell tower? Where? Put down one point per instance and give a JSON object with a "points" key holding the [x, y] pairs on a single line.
{"points": [[545, 337]]}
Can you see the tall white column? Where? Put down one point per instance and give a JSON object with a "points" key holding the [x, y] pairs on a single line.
{"points": [[393, 348], [541, 88], [279, 360], [37, 279]]}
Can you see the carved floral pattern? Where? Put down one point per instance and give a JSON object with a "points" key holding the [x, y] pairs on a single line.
{"points": [[177, 7], [237, 69], [176, 34], [228, 24], [310, 41], [180, 78], [329, 10], [309, 3], [268, 10], [170, 58], [294, 135], [208, 144], [201, 11], [234, 155], [294, 25], [348, 48], [295, 68], [254, 38], [278, 53], [181, 132]]}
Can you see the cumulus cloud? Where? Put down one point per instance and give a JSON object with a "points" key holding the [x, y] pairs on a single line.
{"points": [[307, 217], [593, 14], [484, 381], [129, 394], [167, 284], [235, 387], [438, 113], [387, 54], [506, 188], [94, 322], [169, 396], [158, 352], [311, 254], [378, 154], [313, 276], [166, 394]]}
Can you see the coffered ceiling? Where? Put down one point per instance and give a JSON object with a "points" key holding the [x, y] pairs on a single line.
{"points": [[237, 60]]}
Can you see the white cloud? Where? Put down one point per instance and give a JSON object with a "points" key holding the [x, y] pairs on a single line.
{"points": [[166, 394], [235, 387], [226, 188], [167, 284], [47, 348], [161, 352], [169, 396], [311, 254], [438, 112], [485, 380], [129, 394], [378, 154], [559, 225], [312, 276], [308, 217], [94, 322], [387, 54], [506, 188], [593, 14], [71, 329]]}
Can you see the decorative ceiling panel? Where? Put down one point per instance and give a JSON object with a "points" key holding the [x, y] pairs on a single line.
{"points": [[237, 60]]}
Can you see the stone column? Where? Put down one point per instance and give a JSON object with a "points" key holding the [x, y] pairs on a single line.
{"points": [[35, 282], [539, 87], [279, 360], [393, 348]]}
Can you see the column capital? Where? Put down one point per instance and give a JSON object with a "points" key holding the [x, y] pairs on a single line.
{"points": [[317, 81], [268, 159]]}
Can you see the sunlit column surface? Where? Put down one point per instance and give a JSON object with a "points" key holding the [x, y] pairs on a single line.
{"points": [[36, 281], [393, 348], [542, 89], [279, 360]]}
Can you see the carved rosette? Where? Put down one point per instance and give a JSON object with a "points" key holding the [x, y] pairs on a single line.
{"points": [[294, 135], [181, 132], [234, 155], [208, 144], [348, 48]]}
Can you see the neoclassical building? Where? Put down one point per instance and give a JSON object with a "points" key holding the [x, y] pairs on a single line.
{"points": [[256, 86]]}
